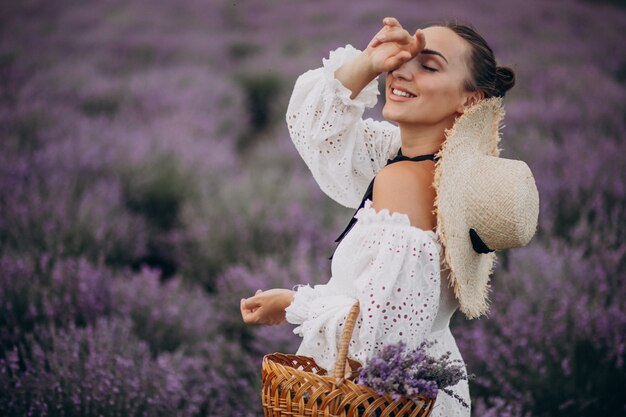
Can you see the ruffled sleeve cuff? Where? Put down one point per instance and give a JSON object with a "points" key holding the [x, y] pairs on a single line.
{"points": [[298, 311], [367, 97]]}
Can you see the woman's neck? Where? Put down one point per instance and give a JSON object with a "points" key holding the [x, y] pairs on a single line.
{"points": [[421, 139]]}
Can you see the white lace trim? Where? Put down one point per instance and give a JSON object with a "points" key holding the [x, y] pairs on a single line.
{"points": [[367, 97], [367, 215], [298, 310]]}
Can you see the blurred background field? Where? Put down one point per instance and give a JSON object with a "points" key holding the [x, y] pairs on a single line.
{"points": [[148, 182]]}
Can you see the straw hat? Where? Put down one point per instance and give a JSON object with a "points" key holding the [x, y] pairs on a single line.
{"points": [[483, 202]]}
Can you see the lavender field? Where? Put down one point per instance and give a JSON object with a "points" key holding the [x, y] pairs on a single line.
{"points": [[148, 182]]}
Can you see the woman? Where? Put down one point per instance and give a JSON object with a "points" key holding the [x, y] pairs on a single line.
{"points": [[390, 260]]}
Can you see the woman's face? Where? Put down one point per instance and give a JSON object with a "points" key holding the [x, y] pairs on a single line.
{"points": [[434, 79]]}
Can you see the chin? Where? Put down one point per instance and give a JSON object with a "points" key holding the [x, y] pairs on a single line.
{"points": [[393, 115]]}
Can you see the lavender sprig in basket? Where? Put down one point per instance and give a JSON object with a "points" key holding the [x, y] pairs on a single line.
{"points": [[400, 372]]}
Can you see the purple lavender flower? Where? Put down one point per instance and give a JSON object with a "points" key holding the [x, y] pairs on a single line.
{"points": [[398, 372], [93, 94]]}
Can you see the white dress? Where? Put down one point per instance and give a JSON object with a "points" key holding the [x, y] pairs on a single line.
{"points": [[391, 267]]}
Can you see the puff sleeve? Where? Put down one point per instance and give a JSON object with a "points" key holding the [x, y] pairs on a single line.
{"points": [[392, 269], [342, 151]]}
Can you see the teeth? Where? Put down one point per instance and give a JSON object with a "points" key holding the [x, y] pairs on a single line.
{"points": [[401, 93]]}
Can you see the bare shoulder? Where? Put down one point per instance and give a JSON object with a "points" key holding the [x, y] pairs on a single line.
{"points": [[406, 187]]}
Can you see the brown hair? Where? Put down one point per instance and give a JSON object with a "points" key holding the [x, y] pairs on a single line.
{"points": [[486, 76]]}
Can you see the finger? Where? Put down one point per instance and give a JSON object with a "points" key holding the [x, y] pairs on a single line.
{"points": [[244, 311], [391, 21], [258, 291], [397, 60], [249, 316], [396, 35], [374, 43], [251, 303]]}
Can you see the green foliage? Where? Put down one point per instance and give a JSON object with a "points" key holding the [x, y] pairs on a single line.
{"points": [[262, 93], [24, 132], [105, 105], [618, 3], [242, 50], [158, 189]]}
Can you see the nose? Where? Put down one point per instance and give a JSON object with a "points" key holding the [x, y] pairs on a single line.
{"points": [[403, 72]]}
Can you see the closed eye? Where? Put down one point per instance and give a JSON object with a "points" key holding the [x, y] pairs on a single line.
{"points": [[429, 68]]}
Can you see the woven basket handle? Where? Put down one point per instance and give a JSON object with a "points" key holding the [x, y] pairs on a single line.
{"points": [[341, 365]]}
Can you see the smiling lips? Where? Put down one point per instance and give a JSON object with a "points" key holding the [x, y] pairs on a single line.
{"points": [[401, 93]]}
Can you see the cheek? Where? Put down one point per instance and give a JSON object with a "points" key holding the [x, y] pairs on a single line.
{"points": [[440, 88]]}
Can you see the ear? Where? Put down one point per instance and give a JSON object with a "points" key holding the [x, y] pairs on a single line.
{"points": [[471, 98]]}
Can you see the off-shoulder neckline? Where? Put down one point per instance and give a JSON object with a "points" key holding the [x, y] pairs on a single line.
{"points": [[367, 212]]}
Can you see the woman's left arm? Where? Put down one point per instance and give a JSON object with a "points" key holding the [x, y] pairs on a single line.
{"points": [[278, 305]]}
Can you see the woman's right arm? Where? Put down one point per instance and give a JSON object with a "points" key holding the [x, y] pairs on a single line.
{"points": [[324, 118]]}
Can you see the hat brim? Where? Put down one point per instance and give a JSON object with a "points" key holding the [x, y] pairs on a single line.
{"points": [[474, 133]]}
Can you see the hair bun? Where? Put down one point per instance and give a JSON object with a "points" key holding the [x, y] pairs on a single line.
{"points": [[505, 79]]}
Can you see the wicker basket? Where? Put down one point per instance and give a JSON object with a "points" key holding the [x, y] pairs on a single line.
{"points": [[295, 386]]}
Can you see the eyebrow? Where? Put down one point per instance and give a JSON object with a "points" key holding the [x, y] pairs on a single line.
{"points": [[431, 52]]}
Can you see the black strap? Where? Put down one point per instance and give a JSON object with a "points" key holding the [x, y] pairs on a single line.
{"points": [[477, 243], [369, 193]]}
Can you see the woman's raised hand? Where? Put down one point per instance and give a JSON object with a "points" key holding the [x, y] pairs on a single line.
{"points": [[266, 307], [392, 46]]}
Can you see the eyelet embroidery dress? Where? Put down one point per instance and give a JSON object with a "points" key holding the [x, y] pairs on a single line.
{"points": [[391, 267]]}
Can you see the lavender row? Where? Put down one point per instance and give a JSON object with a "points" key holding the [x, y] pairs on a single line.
{"points": [[147, 183]]}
